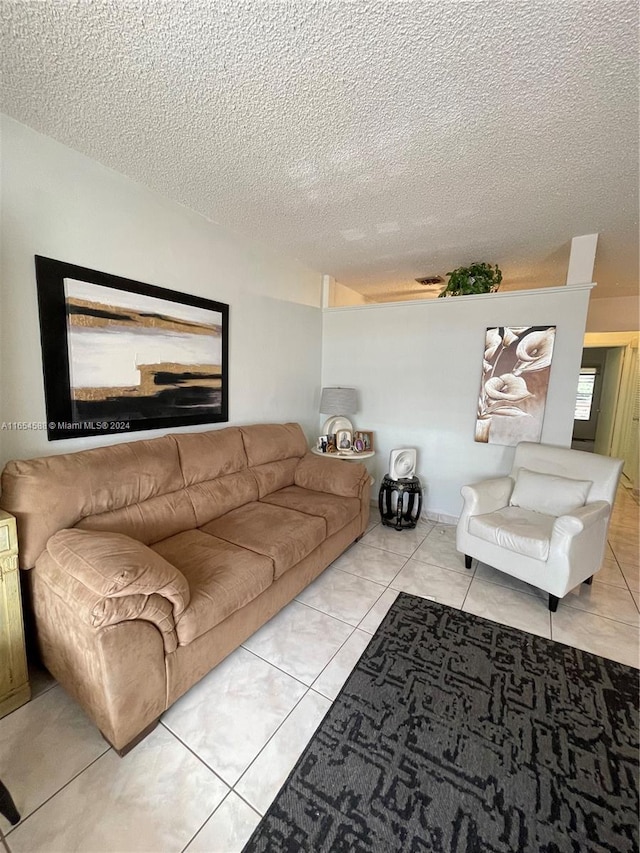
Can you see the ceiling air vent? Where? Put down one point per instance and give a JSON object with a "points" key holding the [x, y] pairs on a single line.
{"points": [[430, 279]]}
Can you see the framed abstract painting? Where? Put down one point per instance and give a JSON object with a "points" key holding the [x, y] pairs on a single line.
{"points": [[121, 355], [516, 366]]}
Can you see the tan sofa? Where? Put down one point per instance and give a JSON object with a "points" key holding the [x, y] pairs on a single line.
{"points": [[155, 559]]}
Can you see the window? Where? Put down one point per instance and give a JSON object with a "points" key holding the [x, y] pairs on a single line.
{"points": [[584, 398]]}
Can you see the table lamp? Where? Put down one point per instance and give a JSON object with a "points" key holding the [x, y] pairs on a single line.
{"points": [[337, 403]]}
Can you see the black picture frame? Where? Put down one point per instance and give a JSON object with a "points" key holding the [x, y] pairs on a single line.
{"points": [[169, 393]]}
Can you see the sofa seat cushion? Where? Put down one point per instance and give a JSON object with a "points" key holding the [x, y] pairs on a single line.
{"points": [[283, 534], [519, 530], [335, 510], [222, 578]]}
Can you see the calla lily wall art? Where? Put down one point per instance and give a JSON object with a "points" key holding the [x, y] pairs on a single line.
{"points": [[515, 379]]}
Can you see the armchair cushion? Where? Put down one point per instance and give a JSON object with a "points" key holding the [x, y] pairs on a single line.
{"points": [[114, 565], [548, 493], [516, 529]]}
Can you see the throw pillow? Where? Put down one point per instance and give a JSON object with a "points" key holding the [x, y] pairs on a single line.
{"points": [[548, 493]]}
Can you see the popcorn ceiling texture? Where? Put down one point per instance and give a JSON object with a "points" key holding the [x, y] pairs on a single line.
{"points": [[374, 140]]}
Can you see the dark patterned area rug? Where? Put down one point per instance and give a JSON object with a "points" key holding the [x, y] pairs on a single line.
{"points": [[454, 733]]}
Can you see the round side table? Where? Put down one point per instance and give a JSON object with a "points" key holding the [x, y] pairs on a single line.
{"points": [[406, 513], [349, 455]]}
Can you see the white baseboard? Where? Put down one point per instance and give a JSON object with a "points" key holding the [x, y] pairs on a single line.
{"points": [[429, 515], [441, 517]]}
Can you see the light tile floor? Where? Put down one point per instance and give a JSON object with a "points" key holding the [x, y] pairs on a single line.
{"points": [[200, 782]]}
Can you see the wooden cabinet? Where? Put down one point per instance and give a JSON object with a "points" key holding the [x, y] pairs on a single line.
{"points": [[14, 677]]}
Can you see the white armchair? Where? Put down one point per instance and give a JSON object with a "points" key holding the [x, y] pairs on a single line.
{"points": [[546, 523]]}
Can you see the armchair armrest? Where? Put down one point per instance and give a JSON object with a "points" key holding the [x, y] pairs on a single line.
{"points": [[334, 476], [486, 496], [108, 578], [581, 518]]}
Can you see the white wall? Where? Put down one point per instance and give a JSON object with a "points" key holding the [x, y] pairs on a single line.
{"points": [[341, 296], [614, 314], [417, 368], [63, 205]]}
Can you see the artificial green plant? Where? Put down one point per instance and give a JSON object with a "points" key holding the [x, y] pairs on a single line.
{"points": [[476, 278]]}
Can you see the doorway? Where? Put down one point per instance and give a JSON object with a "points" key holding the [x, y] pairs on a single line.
{"points": [[607, 402], [587, 411]]}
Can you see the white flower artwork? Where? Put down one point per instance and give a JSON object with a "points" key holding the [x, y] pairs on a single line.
{"points": [[515, 378]]}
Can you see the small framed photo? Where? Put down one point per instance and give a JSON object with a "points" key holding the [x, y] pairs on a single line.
{"points": [[344, 439], [322, 443], [362, 440]]}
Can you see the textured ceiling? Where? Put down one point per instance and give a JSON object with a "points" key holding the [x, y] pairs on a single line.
{"points": [[375, 140]]}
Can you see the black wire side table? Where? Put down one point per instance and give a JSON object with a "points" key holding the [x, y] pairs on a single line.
{"points": [[406, 512]]}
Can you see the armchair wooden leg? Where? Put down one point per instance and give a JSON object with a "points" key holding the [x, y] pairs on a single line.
{"points": [[553, 602], [7, 806], [467, 561], [588, 581]]}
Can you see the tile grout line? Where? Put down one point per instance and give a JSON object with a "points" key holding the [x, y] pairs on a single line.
{"points": [[310, 686], [193, 752], [324, 612], [365, 578], [599, 615], [275, 666], [624, 577], [59, 790], [266, 743], [345, 572], [232, 787], [466, 595], [344, 642], [397, 553], [217, 775]]}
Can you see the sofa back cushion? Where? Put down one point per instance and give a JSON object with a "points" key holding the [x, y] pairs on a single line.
{"points": [[216, 476], [273, 442], [214, 498], [273, 452], [273, 476], [334, 476], [212, 454], [55, 492], [149, 521]]}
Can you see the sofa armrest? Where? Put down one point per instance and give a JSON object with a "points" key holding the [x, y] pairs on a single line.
{"points": [[99, 611], [113, 665], [486, 496], [114, 565], [108, 578], [333, 476]]}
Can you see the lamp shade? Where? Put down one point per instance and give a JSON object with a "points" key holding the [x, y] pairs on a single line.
{"points": [[339, 401]]}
